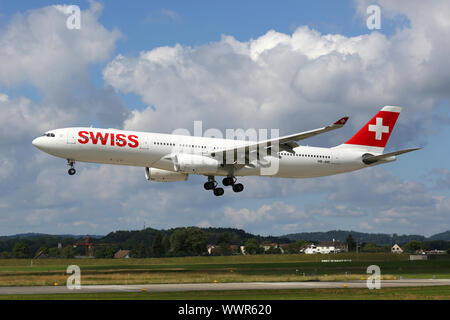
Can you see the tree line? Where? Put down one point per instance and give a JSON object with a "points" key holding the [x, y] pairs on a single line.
{"points": [[189, 241], [411, 246]]}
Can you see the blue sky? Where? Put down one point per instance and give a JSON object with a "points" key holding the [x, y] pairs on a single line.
{"points": [[159, 65]]}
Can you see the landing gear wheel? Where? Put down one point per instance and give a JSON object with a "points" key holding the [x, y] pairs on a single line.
{"points": [[209, 185], [228, 181], [238, 187], [218, 191], [72, 170]]}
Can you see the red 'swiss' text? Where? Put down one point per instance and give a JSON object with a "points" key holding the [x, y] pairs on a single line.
{"points": [[120, 140]]}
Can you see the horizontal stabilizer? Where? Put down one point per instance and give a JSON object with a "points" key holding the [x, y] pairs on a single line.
{"points": [[371, 159]]}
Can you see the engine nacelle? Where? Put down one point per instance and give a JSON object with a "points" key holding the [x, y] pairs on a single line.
{"points": [[195, 163], [159, 175]]}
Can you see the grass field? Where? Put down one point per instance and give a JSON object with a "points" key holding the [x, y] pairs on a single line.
{"points": [[23, 272], [408, 293]]}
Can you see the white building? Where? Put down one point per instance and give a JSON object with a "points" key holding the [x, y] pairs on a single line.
{"points": [[396, 249], [326, 247]]}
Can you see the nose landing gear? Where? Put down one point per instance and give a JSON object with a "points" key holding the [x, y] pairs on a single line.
{"points": [[72, 170]]}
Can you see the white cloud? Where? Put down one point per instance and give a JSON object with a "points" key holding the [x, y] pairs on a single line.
{"points": [[38, 50], [292, 82], [21, 119], [37, 47]]}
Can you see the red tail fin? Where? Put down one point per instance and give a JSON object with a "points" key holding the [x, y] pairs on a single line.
{"points": [[377, 131]]}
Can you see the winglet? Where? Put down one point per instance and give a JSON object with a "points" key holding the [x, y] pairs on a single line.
{"points": [[341, 122]]}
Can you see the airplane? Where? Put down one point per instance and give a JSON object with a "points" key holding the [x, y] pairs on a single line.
{"points": [[169, 158]]}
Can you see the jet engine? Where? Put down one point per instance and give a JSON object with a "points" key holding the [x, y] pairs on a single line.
{"points": [[159, 175], [195, 163]]}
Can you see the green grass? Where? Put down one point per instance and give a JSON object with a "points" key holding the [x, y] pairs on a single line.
{"points": [[406, 293], [206, 259], [16, 272]]}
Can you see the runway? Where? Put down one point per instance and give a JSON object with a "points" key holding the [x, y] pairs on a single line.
{"points": [[222, 286]]}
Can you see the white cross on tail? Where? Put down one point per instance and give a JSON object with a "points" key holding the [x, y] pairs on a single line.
{"points": [[378, 128]]}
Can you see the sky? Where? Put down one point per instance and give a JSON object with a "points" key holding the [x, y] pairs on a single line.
{"points": [[158, 66]]}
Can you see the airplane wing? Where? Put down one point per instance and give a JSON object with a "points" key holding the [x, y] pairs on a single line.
{"points": [[286, 143], [373, 159]]}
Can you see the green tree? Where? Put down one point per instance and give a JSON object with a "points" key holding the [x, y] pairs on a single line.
{"points": [[165, 242], [351, 244], [188, 241], [21, 250], [54, 252], [104, 253], [251, 246], [412, 246], [138, 251], [157, 246], [295, 247], [273, 250], [5, 255], [224, 242], [370, 247], [68, 252]]}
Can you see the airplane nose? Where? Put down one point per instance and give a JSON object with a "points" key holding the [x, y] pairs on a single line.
{"points": [[37, 142]]}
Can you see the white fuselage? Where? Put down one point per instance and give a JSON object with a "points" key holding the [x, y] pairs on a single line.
{"points": [[112, 146]]}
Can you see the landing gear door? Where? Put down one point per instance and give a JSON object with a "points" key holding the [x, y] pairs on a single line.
{"points": [[71, 137]]}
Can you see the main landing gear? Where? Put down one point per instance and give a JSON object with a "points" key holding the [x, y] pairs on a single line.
{"points": [[231, 181], [72, 170], [212, 184]]}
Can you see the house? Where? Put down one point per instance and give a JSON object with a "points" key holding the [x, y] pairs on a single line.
{"points": [[435, 251], [283, 247], [210, 248], [269, 246], [122, 254], [234, 249], [396, 249], [215, 249], [326, 247]]}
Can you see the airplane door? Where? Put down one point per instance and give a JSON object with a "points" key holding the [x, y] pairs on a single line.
{"points": [[71, 137], [143, 142]]}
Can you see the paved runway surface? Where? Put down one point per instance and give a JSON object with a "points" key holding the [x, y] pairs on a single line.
{"points": [[221, 286]]}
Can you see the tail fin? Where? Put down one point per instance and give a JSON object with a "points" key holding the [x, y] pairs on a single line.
{"points": [[375, 134]]}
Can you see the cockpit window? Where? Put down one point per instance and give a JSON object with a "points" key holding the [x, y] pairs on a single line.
{"points": [[48, 134]]}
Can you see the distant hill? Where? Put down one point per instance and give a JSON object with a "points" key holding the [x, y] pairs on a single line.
{"points": [[36, 235], [237, 236], [441, 236], [377, 238], [129, 239]]}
